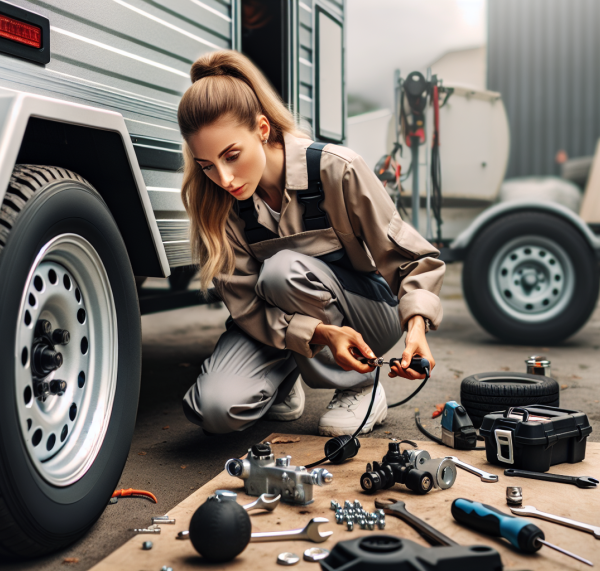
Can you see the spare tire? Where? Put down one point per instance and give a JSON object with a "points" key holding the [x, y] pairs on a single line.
{"points": [[483, 393]]}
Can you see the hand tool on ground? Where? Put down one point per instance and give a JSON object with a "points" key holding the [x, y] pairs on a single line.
{"points": [[525, 536], [134, 493], [579, 481], [310, 532], [533, 512], [485, 476], [341, 447], [264, 474], [264, 502], [147, 530], [397, 508]]}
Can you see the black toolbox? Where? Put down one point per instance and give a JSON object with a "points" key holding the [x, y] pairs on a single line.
{"points": [[535, 437]]}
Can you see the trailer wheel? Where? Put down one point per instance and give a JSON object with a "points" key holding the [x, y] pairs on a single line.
{"points": [[531, 278], [70, 348]]}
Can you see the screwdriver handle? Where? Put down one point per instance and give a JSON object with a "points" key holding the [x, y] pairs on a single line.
{"points": [[491, 521]]}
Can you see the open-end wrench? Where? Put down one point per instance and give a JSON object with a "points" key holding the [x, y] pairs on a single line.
{"points": [[308, 533], [485, 476], [579, 481], [264, 502], [532, 512], [398, 509]]}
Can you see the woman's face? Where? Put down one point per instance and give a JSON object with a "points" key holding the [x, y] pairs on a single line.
{"points": [[231, 155]]}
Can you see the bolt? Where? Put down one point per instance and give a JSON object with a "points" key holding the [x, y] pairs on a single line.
{"points": [[166, 568], [381, 524], [362, 522], [370, 525], [347, 505], [334, 505], [357, 505], [339, 518], [350, 525]]}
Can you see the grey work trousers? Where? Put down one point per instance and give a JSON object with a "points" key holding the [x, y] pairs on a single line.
{"points": [[243, 377]]}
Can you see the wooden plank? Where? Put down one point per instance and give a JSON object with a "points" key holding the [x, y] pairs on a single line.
{"points": [[560, 499]]}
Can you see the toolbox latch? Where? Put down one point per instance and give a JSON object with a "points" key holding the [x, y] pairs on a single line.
{"points": [[504, 438]]}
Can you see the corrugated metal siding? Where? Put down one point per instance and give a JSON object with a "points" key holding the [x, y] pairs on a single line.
{"points": [[132, 56], [542, 57]]}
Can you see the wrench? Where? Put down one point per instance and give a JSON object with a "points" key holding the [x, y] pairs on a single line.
{"points": [[309, 533], [485, 476], [579, 481], [532, 512], [264, 502], [398, 509]]}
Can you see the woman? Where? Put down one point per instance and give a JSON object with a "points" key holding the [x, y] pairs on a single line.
{"points": [[310, 279]]}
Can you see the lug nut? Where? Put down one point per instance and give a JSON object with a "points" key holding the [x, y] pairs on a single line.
{"points": [[350, 525], [61, 337], [58, 387], [43, 327]]}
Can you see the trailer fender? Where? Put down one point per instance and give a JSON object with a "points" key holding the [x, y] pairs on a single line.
{"points": [[94, 143], [462, 242]]}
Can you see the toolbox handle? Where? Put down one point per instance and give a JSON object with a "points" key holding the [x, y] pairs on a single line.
{"points": [[504, 438], [512, 409]]}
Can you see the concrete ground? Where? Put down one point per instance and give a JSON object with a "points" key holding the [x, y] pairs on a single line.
{"points": [[172, 458]]}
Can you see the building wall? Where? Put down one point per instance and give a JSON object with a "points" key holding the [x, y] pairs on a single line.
{"points": [[543, 58], [462, 67]]}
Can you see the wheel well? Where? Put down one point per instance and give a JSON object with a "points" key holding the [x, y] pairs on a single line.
{"points": [[100, 157], [507, 214]]}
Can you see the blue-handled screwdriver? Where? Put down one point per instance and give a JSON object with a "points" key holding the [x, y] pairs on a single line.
{"points": [[524, 535]]}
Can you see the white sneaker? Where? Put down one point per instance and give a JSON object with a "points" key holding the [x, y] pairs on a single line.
{"points": [[348, 408], [292, 407]]}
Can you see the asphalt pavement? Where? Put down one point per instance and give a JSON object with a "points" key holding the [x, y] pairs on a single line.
{"points": [[172, 457]]}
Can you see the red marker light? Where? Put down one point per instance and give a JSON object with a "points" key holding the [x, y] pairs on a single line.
{"points": [[20, 32]]}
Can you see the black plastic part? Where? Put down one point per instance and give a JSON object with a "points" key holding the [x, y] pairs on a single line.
{"points": [[539, 445], [348, 450], [419, 481], [386, 552], [220, 530], [261, 449]]}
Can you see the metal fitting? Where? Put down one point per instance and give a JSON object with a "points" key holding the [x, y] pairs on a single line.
{"points": [[334, 505], [350, 525], [514, 496], [370, 525], [147, 545], [381, 524]]}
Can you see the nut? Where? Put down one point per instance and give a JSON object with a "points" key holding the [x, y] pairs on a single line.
{"points": [[147, 545], [350, 525], [314, 554]]}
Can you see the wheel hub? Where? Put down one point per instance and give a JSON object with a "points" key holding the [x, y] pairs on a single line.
{"points": [[531, 278], [65, 388]]}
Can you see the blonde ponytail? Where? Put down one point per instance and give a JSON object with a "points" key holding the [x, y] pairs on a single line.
{"points": [[223, 83]]}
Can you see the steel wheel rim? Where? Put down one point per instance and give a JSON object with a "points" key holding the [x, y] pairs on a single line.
{"points": [[77, 297], [531, 278]]}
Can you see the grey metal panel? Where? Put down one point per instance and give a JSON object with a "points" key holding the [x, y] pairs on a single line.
{"points": [[542, 58]]}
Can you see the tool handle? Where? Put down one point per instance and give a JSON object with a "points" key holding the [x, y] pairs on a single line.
{"points": [[417, 363], [521, 533], [540, 476]]}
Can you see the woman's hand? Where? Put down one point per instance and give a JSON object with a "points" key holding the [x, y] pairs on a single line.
{"points": [[341, 341], [416, 344]]}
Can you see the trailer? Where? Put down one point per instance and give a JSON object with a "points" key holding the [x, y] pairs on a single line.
{"points": [[90, 179]]}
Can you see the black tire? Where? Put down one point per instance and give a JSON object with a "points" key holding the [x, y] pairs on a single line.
{"points": [[490, 392], [527, 324], [43, 203]]}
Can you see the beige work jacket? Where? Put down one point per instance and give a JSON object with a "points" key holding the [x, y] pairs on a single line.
{"points": [[364, 221]]}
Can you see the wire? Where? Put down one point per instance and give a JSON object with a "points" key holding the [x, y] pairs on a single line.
{"points": [[435, 438], [337, 450]]}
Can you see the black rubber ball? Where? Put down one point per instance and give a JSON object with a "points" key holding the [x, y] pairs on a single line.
{"points": [[220, 530]]}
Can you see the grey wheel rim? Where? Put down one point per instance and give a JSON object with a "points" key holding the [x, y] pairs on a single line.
{"points": [[531, 278], [68, 287]]}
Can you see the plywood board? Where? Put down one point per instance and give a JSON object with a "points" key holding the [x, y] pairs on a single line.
{"points": [[561, 499]]}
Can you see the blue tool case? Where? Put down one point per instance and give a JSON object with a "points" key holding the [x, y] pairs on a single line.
{"points": [[535, 437]]}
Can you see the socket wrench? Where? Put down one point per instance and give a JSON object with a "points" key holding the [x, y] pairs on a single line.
{"points": [[309, 533], [530, 511], [485, 476]]}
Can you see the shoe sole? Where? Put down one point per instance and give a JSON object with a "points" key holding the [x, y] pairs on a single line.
{"points": [[340, 431]]}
